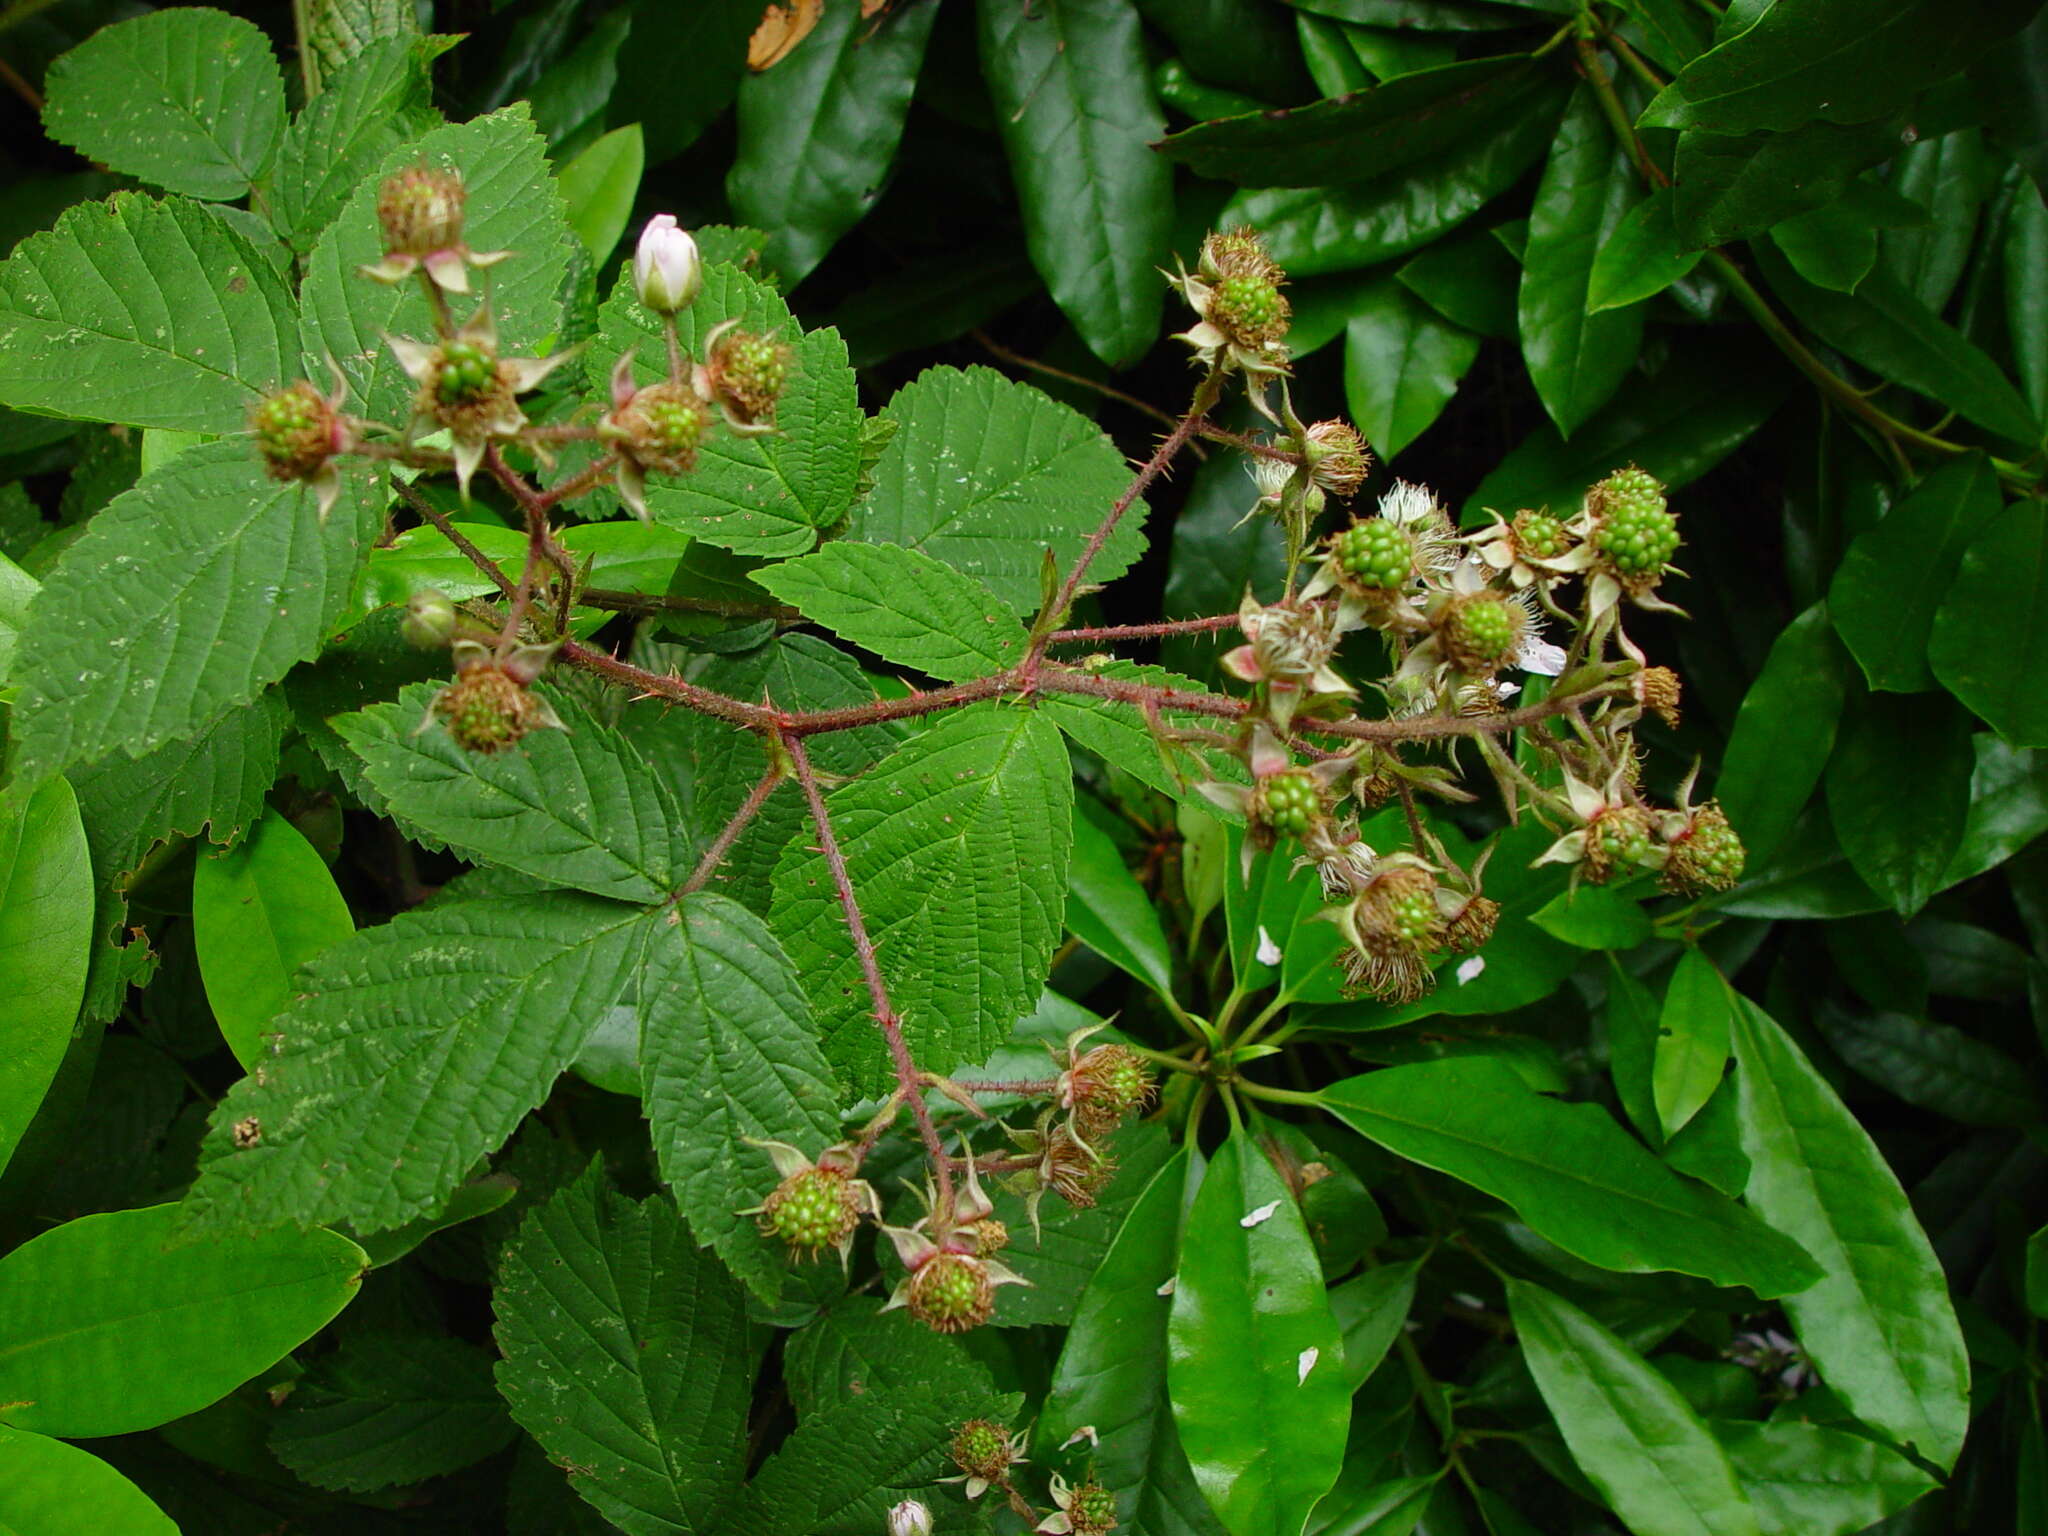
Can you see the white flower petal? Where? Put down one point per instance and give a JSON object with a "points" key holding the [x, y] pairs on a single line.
{"points": [[1263, 1213], [1541, 657], [1469, 968], [1269, 953], [1305, 1363], [1085, 1432], [1166, 1289]]}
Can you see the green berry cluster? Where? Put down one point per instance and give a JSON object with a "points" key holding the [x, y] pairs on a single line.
{"points": [[1411, 918], [750, 372], [467, 372], [1638, 533], [1617, 839], [811, 1210], [486, 711], [1248, 308], [663, 426], [1480, 632], [420, 211], [951, 1293], [1707, 856], [981, 1448], [1290, 802], [1091, 1509], [294, 432], [1540, 536], [1375, 553]]}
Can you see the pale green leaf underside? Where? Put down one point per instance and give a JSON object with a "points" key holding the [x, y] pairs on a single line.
{"points": [[986, 474], [186, 596], [958, 848], [413, 1050], [145, 313], [904, 606]]}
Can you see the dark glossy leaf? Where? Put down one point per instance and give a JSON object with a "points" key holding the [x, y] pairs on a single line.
{"points": [[1893, 577], [1831, 247], [2008, 808], [1632, 1025], [1899, 793], [1402, 364], [1640, 257], [1783, 735], [46, 917], [1878, 1325], [1990, 639], [1256, 1364], [1371, 1309], [1829, 59], [1692, 1040], [1594, 917], [1424, 15], [819, 130], [1628, 1428], [1935, 1066], [1731, 185], [1575, 358], [681, 68], [1074, 106], [1672, 33], [1569, 1170], [1469, 279], [2026, 297], [1951, 175]]}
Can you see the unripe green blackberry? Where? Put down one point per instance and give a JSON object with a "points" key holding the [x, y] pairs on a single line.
{"points": [[1103, 1087], [1635, 531], [1398, 910], [746, 374], [487, 711], [420, 211], [1249, 309], [1473, 925], [1658, 690], [662, 427], [1540, 536], [467, 372], [1091, 1509], [812, 1210], [951, 1293], [1288, 801], [429, 621], [297, 432], [1374, 554], [1706, 856], [981, 1448], [1480, 632], [1618, 840]]}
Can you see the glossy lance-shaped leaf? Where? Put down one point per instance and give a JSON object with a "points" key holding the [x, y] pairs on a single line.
{"points": [[1893, 577], [1831, 59], [600, 186], [261, 910], [1628, 1428], [1640, 257], [903, 605], [1899, 793], [111, 1324], [1815, 1480], [2026, 297], [987, 474], [414, 1050], [391, 1408], [1255, 1364], [1469, 279], [46, 917], [1990, 640], [1950, 177], [511, 204], [1402, 364], [1568, 1170], [957, 847], [1112, 1369], [187, 595], [1109, 911], [1783, 734], [727, 1055], [1731, 185], [1878, 1325], [2008, 809], [763, 495], [1594, 917], [146, 313], [1363, 134], [1073, 102], [189, 98], [628, 1356], [817, 133], [1692, 1040], [1576, 358], [377, 101], [1936, 1066], [575, 807], [57, 1489]]}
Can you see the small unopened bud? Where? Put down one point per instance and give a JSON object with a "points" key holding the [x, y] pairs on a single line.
{"points": [[429, 621], [666, 268], [420, 210], [1337, 458], [910, 1518]]}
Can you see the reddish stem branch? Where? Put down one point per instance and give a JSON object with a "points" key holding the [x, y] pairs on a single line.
{"points": [[592, 476], [908, 1078], [721, 845], [653, 685], [1111, 633], [433, 514]]}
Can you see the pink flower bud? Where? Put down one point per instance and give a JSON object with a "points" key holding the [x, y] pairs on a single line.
{"points": [[666, 268]]}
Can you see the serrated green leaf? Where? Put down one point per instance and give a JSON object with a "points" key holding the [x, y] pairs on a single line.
{"points": [[187, 98], [1878, 1325], [1991, 631], [1402, 364], [512, 205], [817, 132], [957, 846], [186, 596], [336, 31], [600, 186], [1692, 1040], [753, 495], [1898, 791], [1783, 734], [414, 1049], [1640, 257], [1119, 735], [1111, 1373], [1569, 1170], [904, 606], [1576, 358], [1628, 1428], [109, 1325], [1255, 1364], [727, 1054], [1814, 1480], [986, 474], [628, 1357], [46, 1485], [372, 104], [146, 313], [1073, 102], [260, 911], [853, 1349], [391, 1408], [46, 919], [575, 807]]}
